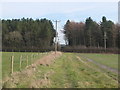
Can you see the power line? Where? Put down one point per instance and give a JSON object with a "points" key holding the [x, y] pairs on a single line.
{"points": [[56, 35]]}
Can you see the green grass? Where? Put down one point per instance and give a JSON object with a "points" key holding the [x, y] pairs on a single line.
{"points": [[69, 72], [110, 60], [6, 61]]}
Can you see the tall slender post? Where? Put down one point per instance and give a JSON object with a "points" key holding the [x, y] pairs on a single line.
{"points": [[12, 63], [20, 61], [105, 40], [27, 60], [90, 39], [56, 22], [31, 58]]}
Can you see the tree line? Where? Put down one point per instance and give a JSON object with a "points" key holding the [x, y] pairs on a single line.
{"points": [[105, 34], [27, 33], [38, 35]]}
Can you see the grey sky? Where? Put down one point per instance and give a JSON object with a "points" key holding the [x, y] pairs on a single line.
{"points": [[76, 11]]}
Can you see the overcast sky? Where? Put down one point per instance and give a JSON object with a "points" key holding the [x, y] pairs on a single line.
{"points": [[76, 11], [59, 0]]}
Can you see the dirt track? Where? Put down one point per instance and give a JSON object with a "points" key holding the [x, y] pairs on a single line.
{"points": [[47, 60], [29, 71], [102, 66]]}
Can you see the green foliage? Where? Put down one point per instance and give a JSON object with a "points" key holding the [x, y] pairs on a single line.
{"points": [[13, 38], [74, 33], [27, 33], [91, 33], [108, 27]]}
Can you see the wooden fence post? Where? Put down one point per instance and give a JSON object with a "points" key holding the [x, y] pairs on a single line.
{"points": [[20, 61], [27, 60], [32, 58], [12, 63]]}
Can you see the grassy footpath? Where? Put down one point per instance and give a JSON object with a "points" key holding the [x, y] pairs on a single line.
{"points": [[70, 72], [110, 60], [67, 71], [6, 61], [111, 74]]}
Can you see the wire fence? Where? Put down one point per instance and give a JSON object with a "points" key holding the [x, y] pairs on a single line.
{"points": [[17, 61]]}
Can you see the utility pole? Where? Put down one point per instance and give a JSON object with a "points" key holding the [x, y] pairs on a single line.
{"points": [[56, 23], [105, 40], [90, 38]]}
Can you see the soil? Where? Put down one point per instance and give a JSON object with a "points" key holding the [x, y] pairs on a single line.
{"points": [[28, 72], [47, 60]]}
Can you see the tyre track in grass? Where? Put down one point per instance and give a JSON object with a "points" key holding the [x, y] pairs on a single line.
{"points": [[101, 66], [70, 71], [89, 76]]}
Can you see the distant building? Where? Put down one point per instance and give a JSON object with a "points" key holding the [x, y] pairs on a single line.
{"points": [[119, 12]]}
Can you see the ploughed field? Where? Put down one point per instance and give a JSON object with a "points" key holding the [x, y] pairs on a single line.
{"points": [[60, 70]]}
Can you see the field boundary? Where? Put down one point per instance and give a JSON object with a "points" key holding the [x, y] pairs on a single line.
{"points": [[29, 70], [47, 60]]}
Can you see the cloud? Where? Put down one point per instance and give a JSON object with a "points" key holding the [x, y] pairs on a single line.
{"points": [[60, 11], [59, 0]]}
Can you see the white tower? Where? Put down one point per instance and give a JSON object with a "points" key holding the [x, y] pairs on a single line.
{"points": [[119, 12]]}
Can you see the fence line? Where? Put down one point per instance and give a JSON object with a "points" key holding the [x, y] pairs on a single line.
{"points": [[22, 58], [27, 60], [12, 64], [20, 61]]}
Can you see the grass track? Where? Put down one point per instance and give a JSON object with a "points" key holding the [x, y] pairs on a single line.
{"points": [[110, 60], [76, 74], [69, 72]]}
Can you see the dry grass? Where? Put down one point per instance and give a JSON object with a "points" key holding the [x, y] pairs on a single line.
{"points": [[28, 72]]}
